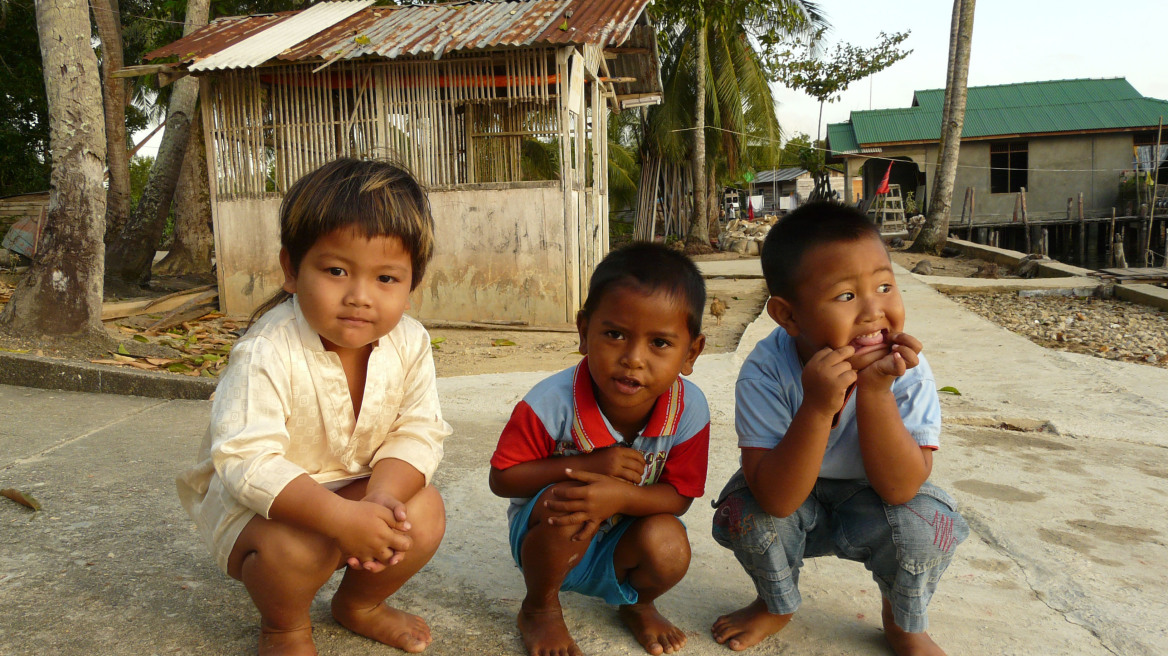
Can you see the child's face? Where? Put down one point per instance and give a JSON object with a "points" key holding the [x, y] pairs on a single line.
{"points": [[636, 344], [352, 290], [847, 295]]}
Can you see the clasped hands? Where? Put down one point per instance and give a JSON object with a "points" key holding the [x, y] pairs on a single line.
{"points": [[372, 532], [603, 478]]}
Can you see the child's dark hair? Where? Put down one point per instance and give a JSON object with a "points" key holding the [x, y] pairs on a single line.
{"points": [[375, 198], [811, 225], [650, 267]]}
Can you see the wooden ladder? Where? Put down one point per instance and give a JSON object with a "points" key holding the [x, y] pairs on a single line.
{"points": [[889, 211]]}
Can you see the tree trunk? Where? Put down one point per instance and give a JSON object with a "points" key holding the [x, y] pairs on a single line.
{"points": [[61, 293], [698, 240], [109, 29], [130, 254], [934, 233], [712, 211], [194, 241]]}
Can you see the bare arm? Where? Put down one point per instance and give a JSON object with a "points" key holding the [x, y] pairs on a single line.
{"points": [[895, 464], [362, 529], [599, 497], [782, 477], [528, 478]]}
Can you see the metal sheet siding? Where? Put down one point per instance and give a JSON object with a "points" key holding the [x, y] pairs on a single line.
{"points": [[330, 31], [262, 46]]}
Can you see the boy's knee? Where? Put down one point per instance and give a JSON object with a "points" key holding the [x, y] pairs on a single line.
{"points": [[927, 530], [426, 512], [280, 545], [664, 541]]}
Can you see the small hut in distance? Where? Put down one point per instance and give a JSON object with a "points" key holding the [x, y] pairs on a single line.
{"points": [[459, 92]]}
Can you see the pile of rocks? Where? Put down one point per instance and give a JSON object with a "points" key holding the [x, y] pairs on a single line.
{"points": [[1106, 328], [746, 237]]}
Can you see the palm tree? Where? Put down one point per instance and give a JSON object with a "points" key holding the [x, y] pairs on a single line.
{"points": [[722, 57], [61, 293], [931, 238], [715, 44]]}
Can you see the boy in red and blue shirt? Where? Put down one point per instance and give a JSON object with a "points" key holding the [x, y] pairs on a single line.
{"points": [[600, 459]]}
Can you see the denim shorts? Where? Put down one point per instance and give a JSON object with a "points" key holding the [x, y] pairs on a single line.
{"points": [[906, 547], [595, 574]]}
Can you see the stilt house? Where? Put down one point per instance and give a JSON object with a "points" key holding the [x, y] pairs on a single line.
{"points": [[469, 95]]}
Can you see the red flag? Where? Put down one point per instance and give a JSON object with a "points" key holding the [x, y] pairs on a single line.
{"points": [[883, 188], [749, 210]]}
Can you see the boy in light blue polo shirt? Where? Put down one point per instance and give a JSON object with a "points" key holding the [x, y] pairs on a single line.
{"points": [[838, 418]]}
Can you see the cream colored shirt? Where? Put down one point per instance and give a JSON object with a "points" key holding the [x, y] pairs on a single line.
{"points": [[283, 409]]}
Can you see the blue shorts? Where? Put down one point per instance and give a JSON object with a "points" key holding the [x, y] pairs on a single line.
{"points": [[595, 574]]}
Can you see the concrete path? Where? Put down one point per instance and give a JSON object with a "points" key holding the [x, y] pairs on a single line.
{"points": [[1057, 460]]}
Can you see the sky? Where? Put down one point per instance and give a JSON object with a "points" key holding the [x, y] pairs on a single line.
{"points": [[1013, 41]]}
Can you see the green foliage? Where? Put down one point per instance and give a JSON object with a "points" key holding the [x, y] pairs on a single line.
{"points": [[540, 159], [798, 65], [139, 174], [624, 165], [911, 208], [25, 161]]}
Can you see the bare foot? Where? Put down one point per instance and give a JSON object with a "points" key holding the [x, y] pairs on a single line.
{"points": [[904, 643], [295, 642], [655, 633], [387, 625], [545, 633], [748, 626]]}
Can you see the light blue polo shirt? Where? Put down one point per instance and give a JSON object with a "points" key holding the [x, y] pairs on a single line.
{"points": [[770, 389]]}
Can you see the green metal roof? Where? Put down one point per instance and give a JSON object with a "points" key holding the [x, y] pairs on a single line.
{"points": [[1004, 110]]}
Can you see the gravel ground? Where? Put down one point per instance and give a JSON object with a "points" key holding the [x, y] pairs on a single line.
{"points": [[1106, 328]]}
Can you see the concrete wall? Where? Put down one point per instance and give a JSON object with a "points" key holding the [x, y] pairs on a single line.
{"points": [[1059, 168], [499, 255]]}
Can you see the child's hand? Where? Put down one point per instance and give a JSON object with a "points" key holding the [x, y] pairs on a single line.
{"points": [[589, 504], [399, 513], [369, 535], [617, 461], [904, 354], [826, 378]]}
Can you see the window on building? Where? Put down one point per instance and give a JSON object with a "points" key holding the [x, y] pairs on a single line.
{"points": [[1008, 166]]}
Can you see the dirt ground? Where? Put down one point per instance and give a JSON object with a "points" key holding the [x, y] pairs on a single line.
{"points": [[460, 351], [200, 347], [959, 266]]}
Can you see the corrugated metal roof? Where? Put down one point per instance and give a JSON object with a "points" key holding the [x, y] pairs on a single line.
{"points": [[1004, 110], [778, 175], [277, 38], [1035, 94], [434, 30]]}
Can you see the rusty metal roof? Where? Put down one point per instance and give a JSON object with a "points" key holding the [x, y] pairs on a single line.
{"points": [[411, 31], [278, 37]]}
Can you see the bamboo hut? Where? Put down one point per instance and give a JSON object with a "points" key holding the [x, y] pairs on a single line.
{"points": [[459, 92]]}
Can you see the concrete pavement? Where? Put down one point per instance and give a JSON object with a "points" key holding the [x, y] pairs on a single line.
{"points": [[1056, 458]]}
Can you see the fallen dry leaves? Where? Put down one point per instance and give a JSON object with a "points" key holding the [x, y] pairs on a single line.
{"points": [[200, 346]]}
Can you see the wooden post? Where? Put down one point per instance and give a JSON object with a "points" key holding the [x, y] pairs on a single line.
{"points": [[1111, 241], [972, 205], [964, 205], [1145, 257], [1117, 250], [1082, 234], [1025, 223]]}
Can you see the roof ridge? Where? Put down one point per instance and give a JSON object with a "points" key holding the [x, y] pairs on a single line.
{"points": [[1034, 83]]}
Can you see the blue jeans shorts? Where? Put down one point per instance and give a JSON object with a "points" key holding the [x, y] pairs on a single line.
{"points": [[595, 574], [906, 547]]}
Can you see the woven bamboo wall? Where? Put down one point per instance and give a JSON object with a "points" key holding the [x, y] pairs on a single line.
{"points": [[270, 126]]}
